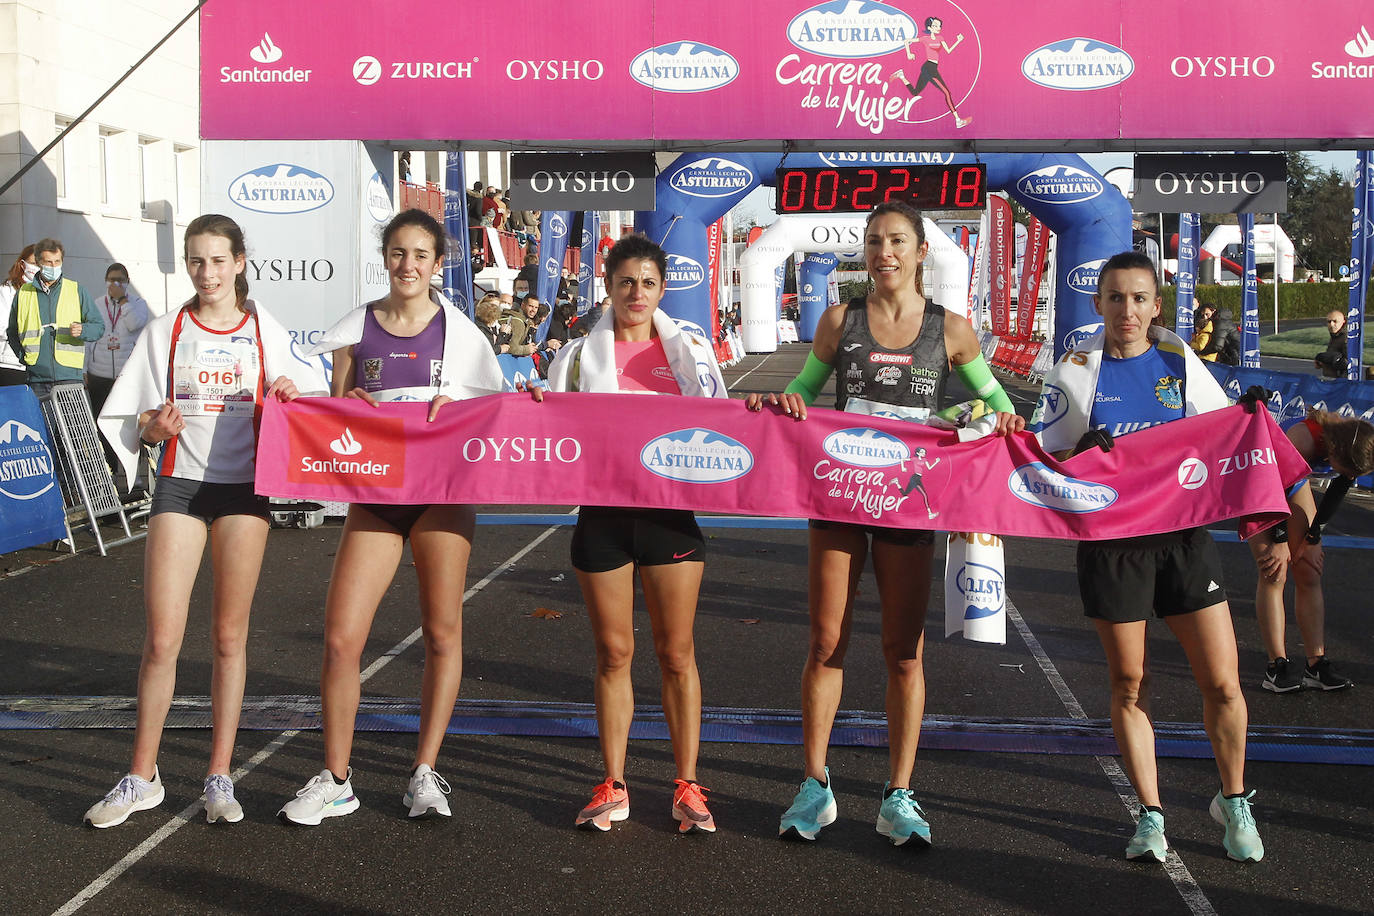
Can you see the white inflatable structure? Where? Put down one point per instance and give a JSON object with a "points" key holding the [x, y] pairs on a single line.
{"points": [[946, 274], [1224, 236]]}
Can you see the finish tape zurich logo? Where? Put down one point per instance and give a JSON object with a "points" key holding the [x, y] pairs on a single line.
{"points": [[866, 448], [280, 189], [1192, 473], [1041, 485], [1060, 184], [711, 178], [683, 273], [696, 456], [983, 588], [25, 462], [1077, 64], [684, 66], [851, 28], [1083, 278]]}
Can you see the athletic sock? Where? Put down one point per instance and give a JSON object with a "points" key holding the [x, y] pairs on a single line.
{"points": [[337, 780]]}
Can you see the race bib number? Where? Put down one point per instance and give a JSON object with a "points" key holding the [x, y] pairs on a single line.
{"points": [[214, 378]]}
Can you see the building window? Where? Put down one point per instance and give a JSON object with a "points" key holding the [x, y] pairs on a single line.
{"points": [[183, 161], [58, 158], [109, 172], [146, 171]]}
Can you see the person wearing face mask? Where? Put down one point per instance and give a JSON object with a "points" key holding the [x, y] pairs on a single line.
{"points": [[24, 269], [52, 319], [125, 315]]}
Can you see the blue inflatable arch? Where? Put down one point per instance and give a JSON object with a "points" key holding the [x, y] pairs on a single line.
{"points": [[1088, 215]]}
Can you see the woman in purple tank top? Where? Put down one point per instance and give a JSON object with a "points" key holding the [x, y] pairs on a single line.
{"points": [[400, 356]]}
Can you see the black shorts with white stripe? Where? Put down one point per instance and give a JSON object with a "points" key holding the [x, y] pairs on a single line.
{"points": [[1157, 575]]}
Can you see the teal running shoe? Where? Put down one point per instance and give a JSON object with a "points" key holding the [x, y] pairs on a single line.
{"points": [[813, 808], [1242, 840], [900, 818], [1148, 842]]}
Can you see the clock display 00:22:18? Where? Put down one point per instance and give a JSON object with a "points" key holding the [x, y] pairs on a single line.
{"points": [[855, 190]]}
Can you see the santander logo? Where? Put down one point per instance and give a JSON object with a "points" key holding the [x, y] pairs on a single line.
{"points": [[345, 444], [266, 52]]}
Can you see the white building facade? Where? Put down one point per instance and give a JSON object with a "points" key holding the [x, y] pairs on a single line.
{"points": [[125, 182]]}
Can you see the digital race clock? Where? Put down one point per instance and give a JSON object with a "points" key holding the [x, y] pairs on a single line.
{"points": [[856, 189]]}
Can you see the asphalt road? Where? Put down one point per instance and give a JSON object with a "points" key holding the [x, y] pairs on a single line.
{"points": [[1026, 815]]}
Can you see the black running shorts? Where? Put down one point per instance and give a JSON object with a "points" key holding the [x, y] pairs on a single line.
{"points": [[608, 538], [402, 518], [207, 501], [1162, 574], [897, 537]]}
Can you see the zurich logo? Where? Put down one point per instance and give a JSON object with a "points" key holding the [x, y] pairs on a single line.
{"points": [[712, 177], [25, 462], [851, 28], [216, 358], [1083, 278], [894, 158], [1077, 64], [1060, 184], [683, 273], [696, 456], [684, 66], [1041, 485], [558, 226], [983, 588], [1079, 336], [281, 188], [866, 448]]}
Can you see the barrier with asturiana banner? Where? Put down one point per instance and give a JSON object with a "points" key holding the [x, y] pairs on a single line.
{"points": [[31, 509]]}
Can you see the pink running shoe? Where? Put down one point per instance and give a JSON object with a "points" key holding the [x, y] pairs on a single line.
{"points": [[689, 807], [610, 802]]}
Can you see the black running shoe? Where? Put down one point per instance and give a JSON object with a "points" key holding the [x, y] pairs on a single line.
{"points": [[1281, 677], [1322, 676]]}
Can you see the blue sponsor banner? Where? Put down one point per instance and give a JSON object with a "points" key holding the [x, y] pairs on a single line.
{"points": [[518, 369], [813, 292], [1361, 251], [554, 228], [1292, 394], [458, 264], [31, 510], [1185, 274], [586, 278], [1249, 300]]}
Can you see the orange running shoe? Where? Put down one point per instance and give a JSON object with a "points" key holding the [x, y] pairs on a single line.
{"points": [[689, 807], [610, 802]]}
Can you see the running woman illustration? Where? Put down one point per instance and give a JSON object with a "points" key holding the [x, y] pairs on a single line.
{"points": [[930, 70], [915, 482]]}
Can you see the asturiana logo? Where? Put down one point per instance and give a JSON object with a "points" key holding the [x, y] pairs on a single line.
{"points": [[1079, 335], [683, 273], [1060, 184], [1077, 64], [684, 66], [1052, 407], [558, 226], [25, 462], [217, 358], [696, 456], [281, 188], [1040, 485], [1083, 278], [893, 158], [866, 448], [378, 199], [711, 178], [984, 590], [851, 28]]}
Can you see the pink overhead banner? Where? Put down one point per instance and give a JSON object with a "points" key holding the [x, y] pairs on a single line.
{"points": [[715, 455], [997, 71]]}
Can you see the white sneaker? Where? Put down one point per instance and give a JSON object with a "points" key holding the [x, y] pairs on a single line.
{"points": [[132, 793], [219, 800], [425, 794], [321, 797]]}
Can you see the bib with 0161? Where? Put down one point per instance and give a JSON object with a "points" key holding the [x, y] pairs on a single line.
{"points": [[216, 378]]}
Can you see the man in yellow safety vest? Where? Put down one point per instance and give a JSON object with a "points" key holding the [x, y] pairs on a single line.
{"points": [[51, 321]]}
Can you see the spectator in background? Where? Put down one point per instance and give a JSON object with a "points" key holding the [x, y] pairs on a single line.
{"points": [[488, 321], [491, 209], [403, 166], [25, 269], [1225, 342], [1202, 330], [524, 324], [51, 322], [1332, 361], [531, 219], [475, 197], [584, 324], [564, 314], [605, 244], [529, 275], [125, 316]]}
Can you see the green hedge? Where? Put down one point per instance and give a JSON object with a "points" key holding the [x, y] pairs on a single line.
{"points": [[1296, 300]]}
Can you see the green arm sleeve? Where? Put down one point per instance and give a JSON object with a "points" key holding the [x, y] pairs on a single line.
{"points": [[976, 375], [812, 379]]}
